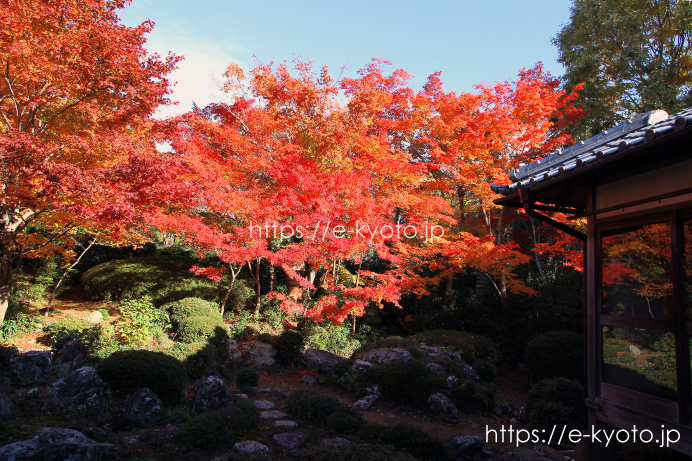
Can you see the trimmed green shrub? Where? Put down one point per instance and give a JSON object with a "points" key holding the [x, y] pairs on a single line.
{"points": [[344, 421], [127, 371], [486, 370], [404, 437], [165, 278], [289, 345], [555, 354], [344, 376], [247, 378], [195, 329], [472, 347], [144, 322], [69, 329], [472, 396], [191, 307], [406, 382], [313, 406], [202, 362], [555, 402], [219, 428]]}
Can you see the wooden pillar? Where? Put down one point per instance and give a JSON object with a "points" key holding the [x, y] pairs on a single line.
{"points": [[682, 345], [593, 330]]}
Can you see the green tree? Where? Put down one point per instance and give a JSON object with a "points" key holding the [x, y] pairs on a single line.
{"points": [[632, 56]]}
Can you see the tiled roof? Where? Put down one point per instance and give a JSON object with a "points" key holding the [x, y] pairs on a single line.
{"points": [[639, 130]]}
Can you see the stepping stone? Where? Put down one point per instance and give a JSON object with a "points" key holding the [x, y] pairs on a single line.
{"points": [[242, 396], [270, 390], [263, 404], [250, 446], [289, 441], [309, 380], [336, 441], [286, 424], [273, 414]]}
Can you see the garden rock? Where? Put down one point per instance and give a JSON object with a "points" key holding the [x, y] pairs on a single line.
{"points": [[263, 404], [505, 410], [94, 317], [365, 403], [270, 390], [250, 446], [360, 367], [7, 408], [309, 380], [322, 360], [634, 350], [430, 351], [374, 390], [456, 356], [141, 406], [57, 444], [383, 356], [273, 414], [31, 367], [211, 394], [289, 441], [435, 368], [286, 424], [5, 383], [69, 358], [453, 381], [468, 448], [257, 353], [81, 390], [522, 368], [469, 372], [336, 441], [443, 408]]}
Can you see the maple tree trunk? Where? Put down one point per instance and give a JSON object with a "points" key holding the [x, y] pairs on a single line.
{"points": [[5, 277], [258, 290], [498, 242], [64, 274], [537, 256], [461, 195], [230, 289], [272, 277]]}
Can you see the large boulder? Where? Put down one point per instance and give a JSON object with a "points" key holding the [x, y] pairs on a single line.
{"points": [[7, 408], [444, 408], [69, 358], [211, 394], [31, 368], [83, 389], [141, 406], [250, 446], [468, 448], [322, 360], [56, 444], [360, 367], [94, 317], [383, 355], [258, 353]]}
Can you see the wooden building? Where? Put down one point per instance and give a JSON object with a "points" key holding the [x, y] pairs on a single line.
{"points": [[633, 185]]}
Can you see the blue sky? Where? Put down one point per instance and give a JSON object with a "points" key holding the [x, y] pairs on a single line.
{"points": [[468, 41]]}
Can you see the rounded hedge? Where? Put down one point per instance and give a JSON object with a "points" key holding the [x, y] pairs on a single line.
{"points": [[555, 402], [127, 371], [200, 328], [555, 354], [247, 378], [406, 382], [314, 406], [289, 345], [219, 428], [191, 307]]}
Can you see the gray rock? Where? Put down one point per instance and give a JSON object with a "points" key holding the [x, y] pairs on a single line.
{"points": [[322, 360], [273, 414], [469, 372], [435, 368], [289, 441], [211, 394], [32, 392], [522, 368], [635, 350], [56, 444], [309, 380], [69, 358], [242, 396], [7, 407], [374, 390], [505, 410], [430, 351], [468, 448], [286, 424], [522, 414], [365, 403], [131, 440], [250, 446], [270, 390], [141, 406], [31, 368], [5, 383], [443, 408], [263, 404], [336, 441], [456, 356], [257, 353], [82, 390], [94, 317], [361, 367], [382, 356], [453, 381]]}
